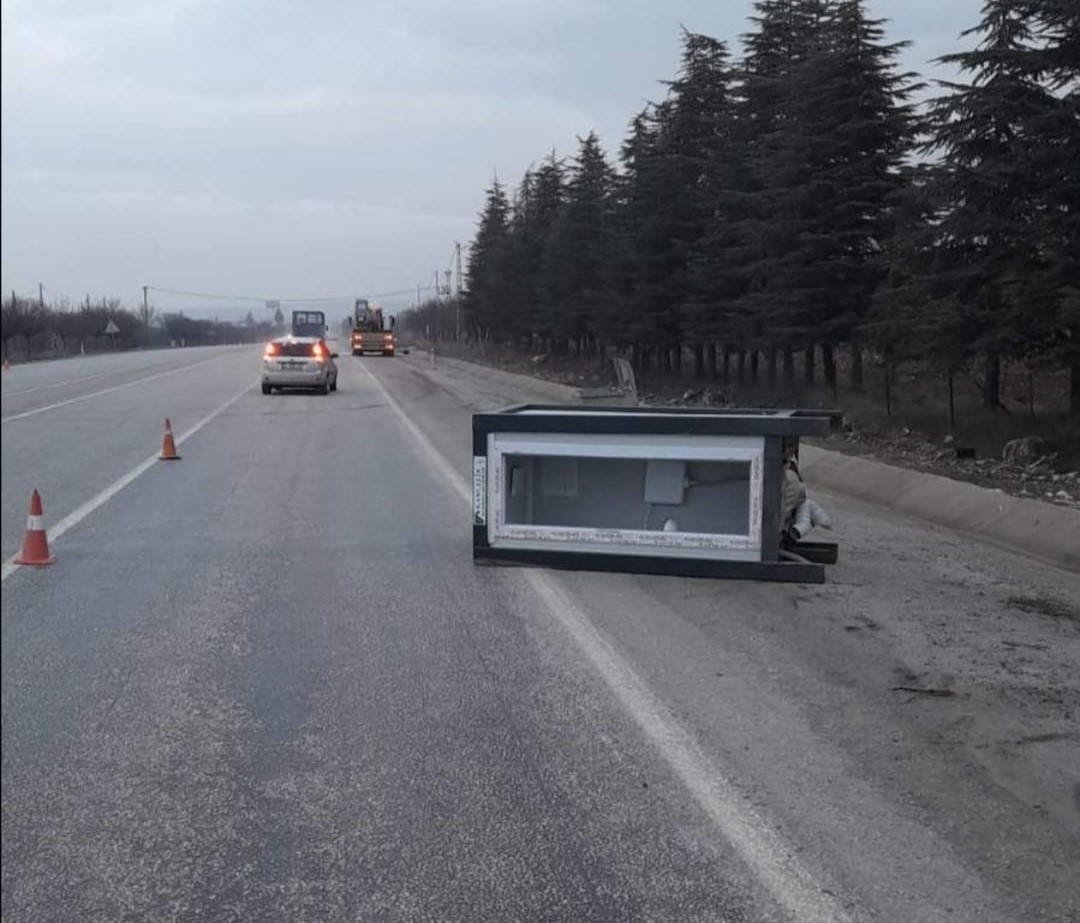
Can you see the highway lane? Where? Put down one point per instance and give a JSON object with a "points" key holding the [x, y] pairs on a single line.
{"points": [[266, 682], [69, 428], [29, 388]]}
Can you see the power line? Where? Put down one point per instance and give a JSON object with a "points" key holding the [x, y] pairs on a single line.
{"points": [[404, 291], [177, 291], [217, 296]]}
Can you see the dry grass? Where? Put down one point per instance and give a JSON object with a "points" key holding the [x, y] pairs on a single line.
{"points": [[1034, 404]]}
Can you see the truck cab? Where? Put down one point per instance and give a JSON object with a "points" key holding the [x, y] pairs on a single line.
{"points": [[372, 331]]}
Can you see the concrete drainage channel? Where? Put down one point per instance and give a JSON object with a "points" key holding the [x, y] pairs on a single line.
{"points": [[1045, 531]]}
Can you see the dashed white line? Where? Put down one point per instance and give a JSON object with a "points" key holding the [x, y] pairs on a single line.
{"points": [[74, 518], [763, 851]]}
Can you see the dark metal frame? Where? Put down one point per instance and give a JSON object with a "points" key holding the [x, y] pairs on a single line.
{"points": [[780, 429], [816, 552]]}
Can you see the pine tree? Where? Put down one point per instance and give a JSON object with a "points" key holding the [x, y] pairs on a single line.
{"points": [[489, 285], [711, 163], [1056, 24], [861, 126], [540, 197], [768, 228], [579, 283], [520, 313], [1005, 169], [828, 125], [645, 244], [666, 213]]}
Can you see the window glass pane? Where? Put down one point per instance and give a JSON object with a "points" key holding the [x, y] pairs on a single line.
{"points": [[628, 493], [297, 349]]}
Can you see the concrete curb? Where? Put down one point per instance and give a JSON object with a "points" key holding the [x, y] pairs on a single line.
{"points": [[1043, 530]]}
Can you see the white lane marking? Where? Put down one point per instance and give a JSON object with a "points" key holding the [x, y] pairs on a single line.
{"points": [[74, 518], [93, 394], [765, 852], [59, 384]]}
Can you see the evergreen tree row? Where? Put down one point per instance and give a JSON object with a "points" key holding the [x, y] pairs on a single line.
{"points": [[797, 201]]}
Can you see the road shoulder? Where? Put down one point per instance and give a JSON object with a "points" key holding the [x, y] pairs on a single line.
{"points": [[1045, 531]]}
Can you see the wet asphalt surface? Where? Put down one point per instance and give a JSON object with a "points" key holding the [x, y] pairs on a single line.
{"points": [[267, 683]]}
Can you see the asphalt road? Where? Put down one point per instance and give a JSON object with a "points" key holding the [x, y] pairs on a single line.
{"points": [[266, 682]]}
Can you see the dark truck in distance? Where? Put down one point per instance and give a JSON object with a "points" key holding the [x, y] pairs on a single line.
{"points": [[309, 324]]}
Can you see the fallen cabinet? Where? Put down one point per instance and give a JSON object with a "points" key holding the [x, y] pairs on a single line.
{"points": [[680, 491]]}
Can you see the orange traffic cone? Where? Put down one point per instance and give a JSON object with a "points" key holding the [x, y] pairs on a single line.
{"points": [[168, 446], [35, 549]]}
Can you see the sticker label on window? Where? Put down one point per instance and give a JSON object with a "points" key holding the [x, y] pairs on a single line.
{"points": [[479, 491]]}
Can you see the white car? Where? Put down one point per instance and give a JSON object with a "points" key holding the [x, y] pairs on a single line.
{"points": [[299, 362]]}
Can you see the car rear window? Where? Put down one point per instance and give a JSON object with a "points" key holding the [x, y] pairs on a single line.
{"points": [[295, 349]]}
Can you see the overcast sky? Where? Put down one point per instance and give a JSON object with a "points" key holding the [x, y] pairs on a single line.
{"points": [[325, 148]]}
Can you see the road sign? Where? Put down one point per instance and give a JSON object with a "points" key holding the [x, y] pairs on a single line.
{"points": [[273, 305], [111, 329]]}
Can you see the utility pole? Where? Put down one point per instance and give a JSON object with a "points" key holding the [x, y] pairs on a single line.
{"points": [[457, 310], [41, 295], [145, 306], [457, 301], [433, 343], [446, 291], [438, 288]]}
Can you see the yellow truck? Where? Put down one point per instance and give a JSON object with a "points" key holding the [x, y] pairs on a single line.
{"points": [[372, 332]]}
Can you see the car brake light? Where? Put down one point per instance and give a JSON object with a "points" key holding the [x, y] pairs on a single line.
{"points": [[271, 349], [318, 350]]}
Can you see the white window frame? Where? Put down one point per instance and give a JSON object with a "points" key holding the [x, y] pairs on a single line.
{"points": [[735, 546]]}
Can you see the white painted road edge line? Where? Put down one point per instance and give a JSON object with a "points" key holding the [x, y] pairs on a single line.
{"points": [[764, 852], [74, 518], [59, 384], [126, 384]]}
